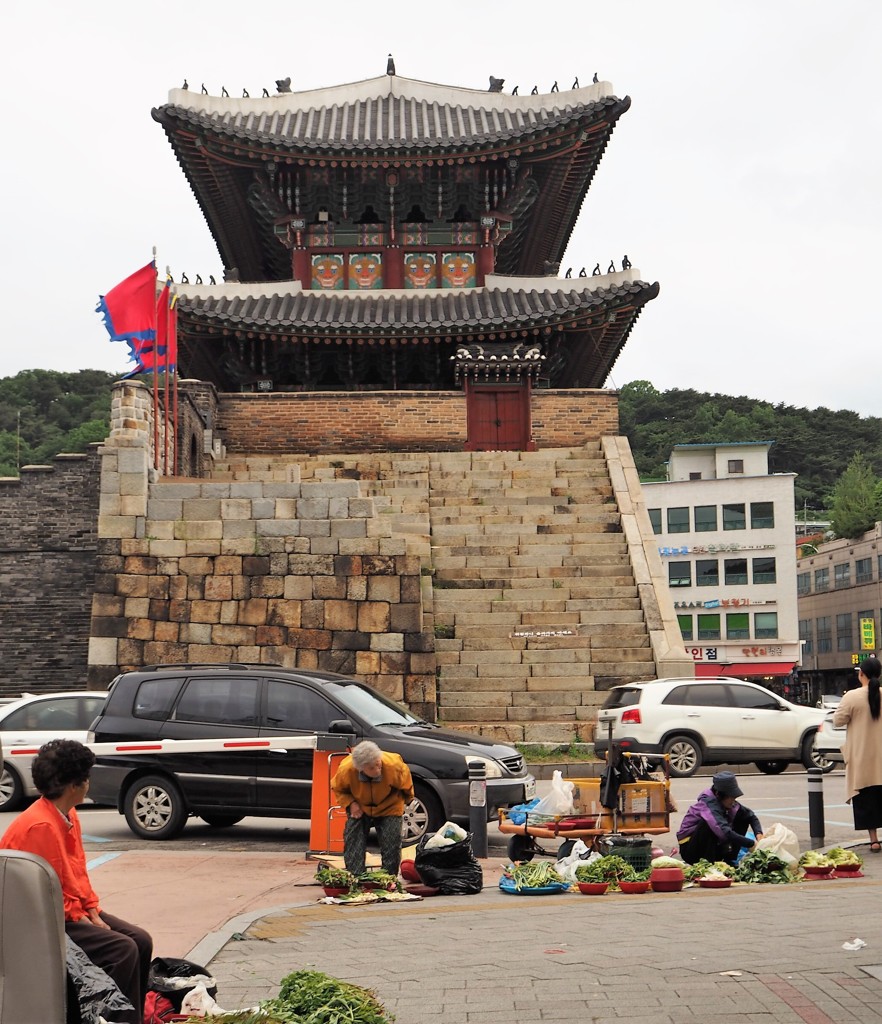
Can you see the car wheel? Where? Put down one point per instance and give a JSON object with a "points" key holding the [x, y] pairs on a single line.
{"points": [[154, 808], [221, 820], [772, 767], [423, 816], [685, 755], [812, 759], [521, 849], [11, 789]]}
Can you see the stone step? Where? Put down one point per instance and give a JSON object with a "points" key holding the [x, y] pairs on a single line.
{"points": [[535, 684]]}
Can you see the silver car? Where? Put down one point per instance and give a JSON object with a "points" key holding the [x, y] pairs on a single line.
{"points": [[830, 739]]}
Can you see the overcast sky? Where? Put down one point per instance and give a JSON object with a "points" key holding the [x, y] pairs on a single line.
{"points": [[745, 178]]}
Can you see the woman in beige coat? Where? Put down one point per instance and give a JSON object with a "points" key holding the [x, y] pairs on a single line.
{"points": [[859, 710]]}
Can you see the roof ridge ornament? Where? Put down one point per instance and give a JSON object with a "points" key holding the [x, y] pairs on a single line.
{"points": [[283, 84], [390, 65], [496, 84]]}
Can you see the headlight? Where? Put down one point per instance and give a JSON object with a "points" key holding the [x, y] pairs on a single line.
{"points": [[491, 767]]}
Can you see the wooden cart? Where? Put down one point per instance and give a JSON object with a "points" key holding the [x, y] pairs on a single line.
{"points": [[642, 808]]}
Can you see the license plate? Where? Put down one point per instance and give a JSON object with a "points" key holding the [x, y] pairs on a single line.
{"points": [[529, 789]]}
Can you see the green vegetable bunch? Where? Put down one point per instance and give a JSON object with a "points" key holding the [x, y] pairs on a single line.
{"points": [[763, 866], [611, 869], [335, 878], [311, 997], [813, 859], [379, 878], [701, 868], [533, 875], [844, 858]]}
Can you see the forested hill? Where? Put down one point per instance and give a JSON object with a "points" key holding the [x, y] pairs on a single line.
{"points": [[817, 444], [44, 412]]}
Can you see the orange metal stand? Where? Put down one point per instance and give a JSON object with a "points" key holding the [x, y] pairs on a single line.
{"points": [[326, 819]]}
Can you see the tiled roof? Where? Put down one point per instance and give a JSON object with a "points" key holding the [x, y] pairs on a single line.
{"points": [[388, 113], [404, 314]]}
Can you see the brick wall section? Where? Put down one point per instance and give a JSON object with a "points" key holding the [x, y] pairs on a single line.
{"points": [[381, 421], [48, 541]]}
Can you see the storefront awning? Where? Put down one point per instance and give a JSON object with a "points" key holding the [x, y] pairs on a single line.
{"points": [[745, 668]]}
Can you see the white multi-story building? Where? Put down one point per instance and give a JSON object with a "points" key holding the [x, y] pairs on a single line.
{"points": [[725, 533]]}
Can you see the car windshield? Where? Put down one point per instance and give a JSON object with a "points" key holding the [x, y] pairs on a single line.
{"points": [[370, 706]]}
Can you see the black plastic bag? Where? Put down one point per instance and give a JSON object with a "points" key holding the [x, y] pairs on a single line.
{"points": [[452, 870], [97, 996], [174, 978]]}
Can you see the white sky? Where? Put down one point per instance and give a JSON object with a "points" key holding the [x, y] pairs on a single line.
{"points": [[745, 178]]}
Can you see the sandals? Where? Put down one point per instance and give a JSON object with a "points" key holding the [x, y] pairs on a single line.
{"points": [[875, 847]]}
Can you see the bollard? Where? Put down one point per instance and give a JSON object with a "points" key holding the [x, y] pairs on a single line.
{"points": [[478, 807], [816, 807]]}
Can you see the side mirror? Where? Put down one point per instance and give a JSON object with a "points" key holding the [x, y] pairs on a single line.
{"points": [[341, 725]]}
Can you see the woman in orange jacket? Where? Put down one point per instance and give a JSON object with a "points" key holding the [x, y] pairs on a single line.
{"points": [[374, 787]]}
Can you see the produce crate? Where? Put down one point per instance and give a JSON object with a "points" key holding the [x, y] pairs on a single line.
{"points": [[632, 849], [641, 805]]}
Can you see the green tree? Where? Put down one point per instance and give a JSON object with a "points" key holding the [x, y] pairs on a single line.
{"points": [[855, 504]]}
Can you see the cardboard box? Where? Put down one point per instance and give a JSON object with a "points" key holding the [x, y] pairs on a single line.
{"points": [[640, 804]]}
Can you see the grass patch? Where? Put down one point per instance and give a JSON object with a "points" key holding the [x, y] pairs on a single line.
{"points": [[565, 753]]}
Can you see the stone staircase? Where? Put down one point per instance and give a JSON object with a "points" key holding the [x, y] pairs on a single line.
{"points": [[537, 611]]}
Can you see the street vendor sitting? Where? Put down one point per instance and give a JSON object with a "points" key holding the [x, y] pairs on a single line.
{"points": [[715, 827], [374, 787]]}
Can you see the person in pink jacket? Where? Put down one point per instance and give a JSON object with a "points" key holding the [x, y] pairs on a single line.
{"points": [[860, 710]]}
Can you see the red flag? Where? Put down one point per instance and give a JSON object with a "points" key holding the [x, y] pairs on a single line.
{"points": [[167, 328], [129, 309]]}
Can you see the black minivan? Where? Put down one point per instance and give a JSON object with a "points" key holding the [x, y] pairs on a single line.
{"points": [[157, 792]]}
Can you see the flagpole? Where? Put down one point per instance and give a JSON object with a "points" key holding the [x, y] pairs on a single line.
{"points": [[166, 415], [174, 335], [155, 375]]}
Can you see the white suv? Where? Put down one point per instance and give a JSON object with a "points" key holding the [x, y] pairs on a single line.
{"points": [[710, 721]]}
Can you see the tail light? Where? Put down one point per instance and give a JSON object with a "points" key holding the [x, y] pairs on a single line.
{"points": [[631, 716]]}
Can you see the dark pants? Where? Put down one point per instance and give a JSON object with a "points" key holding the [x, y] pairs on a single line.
{"points": [[703, 844], [355, 834], [124, 953]]}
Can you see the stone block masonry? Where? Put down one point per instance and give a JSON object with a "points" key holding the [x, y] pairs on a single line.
{"points": [[48, 543]]}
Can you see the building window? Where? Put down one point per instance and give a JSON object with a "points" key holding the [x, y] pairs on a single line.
{"points": [[736, 465], [805, 635], [685, 623], [736, 571], [822, 580], [823, 634], [705, 518], [737, 626], [678, 520], [707, 572], [764, 570], [679, 574], [655, 519], [762, 515], [879, 565], [765, 625], [695, 476], [844, 640], [734, 518], [708, 627], [841, 575], [803, 583], [863, 570]]}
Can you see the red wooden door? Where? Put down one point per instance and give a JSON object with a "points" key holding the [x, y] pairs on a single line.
{"points": [[498, 419]]}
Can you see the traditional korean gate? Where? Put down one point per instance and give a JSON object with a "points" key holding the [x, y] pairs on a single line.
{"points": [[498, 418]]}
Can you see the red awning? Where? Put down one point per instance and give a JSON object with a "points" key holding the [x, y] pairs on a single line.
{"points": [[744, 668]]}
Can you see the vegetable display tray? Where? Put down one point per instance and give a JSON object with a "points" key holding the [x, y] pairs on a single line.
{"points": [[541, 890]]}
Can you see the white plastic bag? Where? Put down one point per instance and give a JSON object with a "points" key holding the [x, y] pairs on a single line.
{"points": [[781, 841], [447, 835], [198, 1003], [580, 854], [560, 799]]}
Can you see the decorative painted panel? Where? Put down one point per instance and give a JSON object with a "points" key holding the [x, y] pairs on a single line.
{"points": [[365, 271], [320, 234], [420, 270], [370, 234], [414, 234], [458, 270], [464, 234], [327, 273]]}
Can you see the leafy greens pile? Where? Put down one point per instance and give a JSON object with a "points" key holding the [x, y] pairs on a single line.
{"points": [[763, 866]]}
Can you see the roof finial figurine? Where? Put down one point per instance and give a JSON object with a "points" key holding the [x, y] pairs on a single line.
{"points": [[583, 272], [596, 271], [211, 279], [184, 278], [390, 66], [611, 269], [555, 88], [550, 268], [245, 94], [185, 85], [283, 84], [534, 91], [569, 272], [198, 279], [514, 91], [496, 84], [595, 79], [266, 92], [204, 90], [626, 263], [575, 84], [224, 91]]}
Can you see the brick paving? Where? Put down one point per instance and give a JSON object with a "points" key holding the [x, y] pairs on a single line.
{"points": [[638, 959]]}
